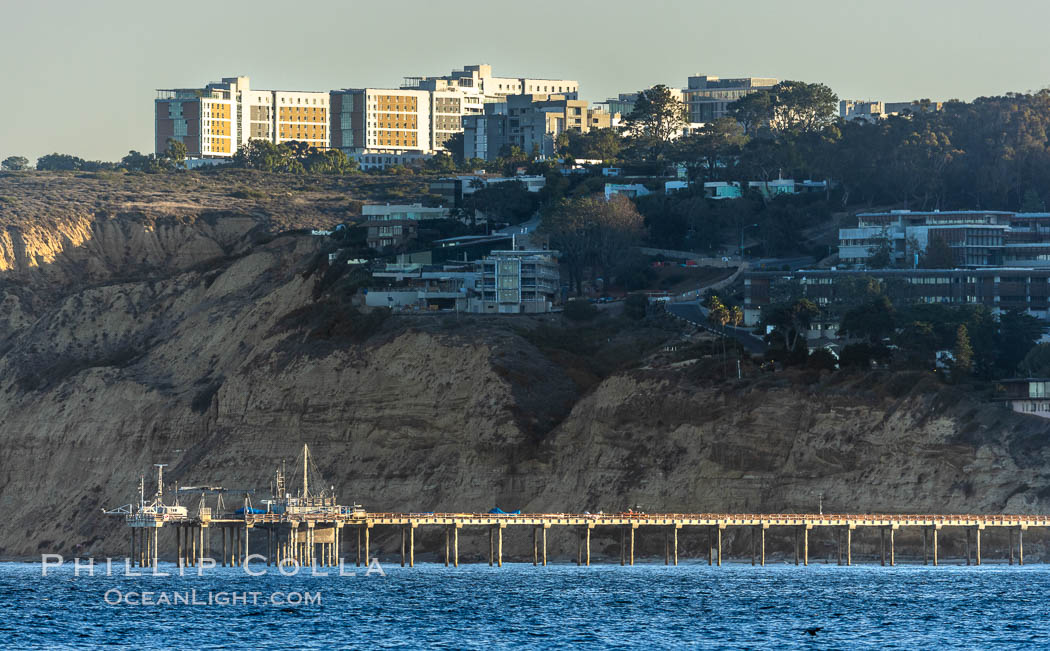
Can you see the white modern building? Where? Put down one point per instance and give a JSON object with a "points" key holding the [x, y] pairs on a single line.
{"points": [[492, 88], [215, 121]]}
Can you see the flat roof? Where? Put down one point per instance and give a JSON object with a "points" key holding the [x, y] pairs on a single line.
{"points": [[897, 272]]}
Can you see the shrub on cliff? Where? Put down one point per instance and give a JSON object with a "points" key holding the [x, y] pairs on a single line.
{"points": [[580, 310]]}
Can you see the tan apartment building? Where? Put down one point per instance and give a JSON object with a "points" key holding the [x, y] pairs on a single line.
{"points": [[387, 124], [214, 121]]}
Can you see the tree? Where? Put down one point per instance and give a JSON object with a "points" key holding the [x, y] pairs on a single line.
{"points": [[596, 144], [801, 107], [720, 315], [15, 163], [713, 152], [962, 362], [589, 231], [657, 118], [790, 107], [1032, 202], [635, 306], [175, 154], [880, 253], [454, 146], [509, 202], [329, 161], [136, 162], [59, 162], [873, 320], [938, 255], [1018, 334], [791, 320], [1037, 362]]}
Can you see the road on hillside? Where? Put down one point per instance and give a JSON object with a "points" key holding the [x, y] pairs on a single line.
{"points": [[696, 314]]}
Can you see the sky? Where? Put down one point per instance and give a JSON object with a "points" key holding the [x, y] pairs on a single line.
{"points": [[80, 77]]}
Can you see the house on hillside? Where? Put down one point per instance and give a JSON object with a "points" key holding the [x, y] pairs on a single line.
{"points": [[1027, 395]]}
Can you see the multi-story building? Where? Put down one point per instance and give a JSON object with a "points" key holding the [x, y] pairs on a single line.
{"points": [[214, 121], [870, 111], [518, 282], [707, 98], [531, 122], [394, 225], [491, 88], [623, 104], [380, 121], [977, 238], [303, 117], [1000, 289], [502, 282]]}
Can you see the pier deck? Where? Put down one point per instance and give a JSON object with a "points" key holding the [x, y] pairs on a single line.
{"points": [[316, 537]]}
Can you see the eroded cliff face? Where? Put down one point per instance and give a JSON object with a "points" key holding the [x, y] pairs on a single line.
{"points": [[190, 344]]}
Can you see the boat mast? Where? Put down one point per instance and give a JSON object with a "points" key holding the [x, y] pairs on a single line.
{"points": [[160, 480], [306, 461]]}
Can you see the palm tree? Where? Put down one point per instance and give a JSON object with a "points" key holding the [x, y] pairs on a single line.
{"points": [[720, 314]]}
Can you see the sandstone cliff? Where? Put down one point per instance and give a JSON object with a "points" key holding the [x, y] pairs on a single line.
{"points": [[196, 340]]}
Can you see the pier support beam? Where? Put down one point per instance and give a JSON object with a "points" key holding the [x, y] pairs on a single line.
{"points": [[455, 545], [492, 545], [925, 553], [623, 547], [667, 548], [849, 545], [882, 546], [587, 557], [838, 544], [710, 548], [633, 527], [544, 543], [935, 529], [720, 527], [1010, 542], [402, 545], [412, 546], [676, 528], [446, 545], [805, 544], [893, 557], [535, 546], [245, 559], [579, 547], [762, 544], [977, 546], [499, 546], [969, 534], [1020, 545], [796, 546], [754, 545], [368, 535]]}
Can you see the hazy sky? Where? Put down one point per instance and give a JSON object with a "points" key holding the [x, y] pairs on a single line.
{"points": [[79, 76]]}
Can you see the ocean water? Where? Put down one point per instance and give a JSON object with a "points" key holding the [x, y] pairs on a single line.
{"points": [[518, 605]]}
